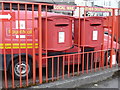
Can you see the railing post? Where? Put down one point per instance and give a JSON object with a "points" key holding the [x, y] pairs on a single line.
{"points": [[113, 27], [40, 42]]}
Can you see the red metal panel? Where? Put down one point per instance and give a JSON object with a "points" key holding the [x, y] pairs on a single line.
{"points": [[94, 27], [61, 27]]}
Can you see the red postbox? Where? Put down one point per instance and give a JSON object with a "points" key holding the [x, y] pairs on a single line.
{"points": [[58, 29], [91, 31]]}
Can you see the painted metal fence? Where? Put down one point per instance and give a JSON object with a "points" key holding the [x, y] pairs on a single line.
{"points": [[38, 45]]}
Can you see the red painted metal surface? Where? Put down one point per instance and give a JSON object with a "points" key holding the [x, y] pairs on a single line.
{"points": [[61, 27], [93, 24]]}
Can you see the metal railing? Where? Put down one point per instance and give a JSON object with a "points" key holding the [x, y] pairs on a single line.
{"points": [[38, 46]]}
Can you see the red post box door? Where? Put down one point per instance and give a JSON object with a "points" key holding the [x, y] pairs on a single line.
{"points": [[59, 33]]}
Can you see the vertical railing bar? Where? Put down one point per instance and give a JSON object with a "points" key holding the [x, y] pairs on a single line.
{"points": [[46, 28], [83, 41], [19, 43], [103, 60], [73, 64], [108, 41], [78, 64], [3, 41], [68, 65], [33, 43], [52, 69], [102, 53], [63, 67], [95, 61], [112, 39], [119, 41], [116, 38], [26, 46], [13, 83], [79, 42], [40, 42], [87, 64], [58, 71], [106, 59], [109, 28], [99, 60], [91, 62]]}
